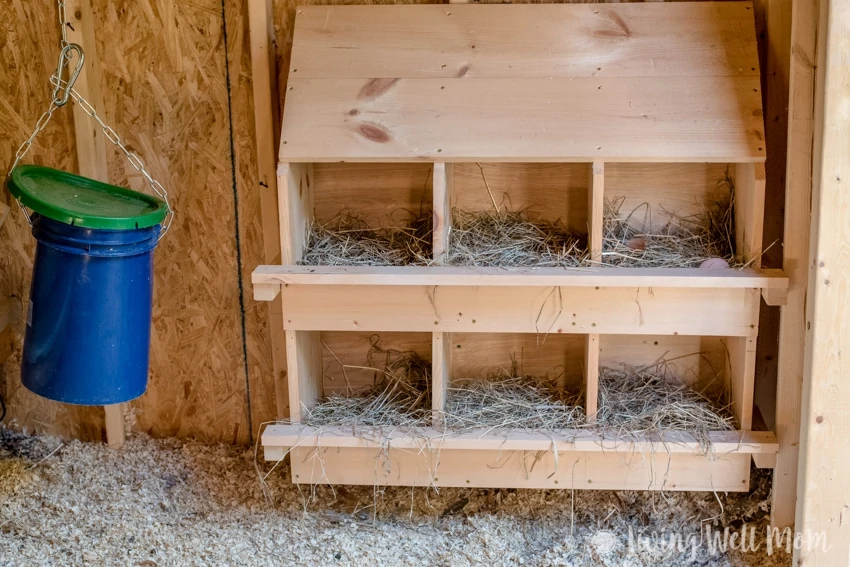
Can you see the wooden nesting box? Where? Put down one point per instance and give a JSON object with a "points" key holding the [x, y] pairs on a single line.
{"points": [[388, 107]]}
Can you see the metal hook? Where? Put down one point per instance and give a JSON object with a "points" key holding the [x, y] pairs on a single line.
{"points": [[62, 92]]}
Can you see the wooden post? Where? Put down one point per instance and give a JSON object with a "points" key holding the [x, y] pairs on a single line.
{"points": [[295, 206], [595, 210], [824, 484], [442, 213], [441, 356], [792, 318], [742, 372], [591, 375], [304, 352], [749, 211], [91, 147], [266, 122]]}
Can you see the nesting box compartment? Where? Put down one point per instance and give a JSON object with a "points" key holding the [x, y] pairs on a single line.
{"points": [[400, 108]]}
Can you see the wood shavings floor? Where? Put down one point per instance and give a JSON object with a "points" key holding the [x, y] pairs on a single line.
{"points": [[166, 502]]}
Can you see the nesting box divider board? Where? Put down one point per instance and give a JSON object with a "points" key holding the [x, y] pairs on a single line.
{"points": [[630, 90], [591, 376]]}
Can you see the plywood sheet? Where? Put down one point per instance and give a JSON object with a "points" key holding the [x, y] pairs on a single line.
{"points": [[165, 91]]}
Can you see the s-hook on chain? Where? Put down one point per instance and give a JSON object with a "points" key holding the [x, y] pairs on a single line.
{"points": [[63, 91]]}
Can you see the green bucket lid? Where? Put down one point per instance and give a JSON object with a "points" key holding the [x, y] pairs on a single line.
{"points": [[84, 202]]}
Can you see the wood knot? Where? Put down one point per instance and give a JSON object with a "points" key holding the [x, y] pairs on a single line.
{"points": [[375, 88], [374, 133], [620, 30]]}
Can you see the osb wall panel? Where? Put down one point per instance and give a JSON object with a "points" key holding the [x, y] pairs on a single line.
{"points": [[28, 41], [165, 89]]}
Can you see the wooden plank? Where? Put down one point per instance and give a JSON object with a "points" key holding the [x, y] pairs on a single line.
{"points": [[742, 371], [524, 277], [623, 40], [441, 353], [553, 359], [520, 469], [798, 209], [266, 120], [91, 146], [653, 193], [595, 210], [295, 202], [539, 310], [591, 373], [765, 462], [775, 296], [384, 194], [824, 484], [699, 362], [555, 192], [442, 214], [304, 364], [714, 119], [720, 443], [749, 211], [114, 420], [266, 291], [91, 142]]}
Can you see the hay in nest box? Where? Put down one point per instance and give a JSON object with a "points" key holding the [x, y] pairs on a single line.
{"points": [[511, 239], [400, 396], [683, 242], [636, 401], [348, 240], [508, 400]]}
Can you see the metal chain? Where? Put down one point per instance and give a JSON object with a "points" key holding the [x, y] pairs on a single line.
{"points": [[63, 22], [133, 158], [24, 148], [63, 90]]}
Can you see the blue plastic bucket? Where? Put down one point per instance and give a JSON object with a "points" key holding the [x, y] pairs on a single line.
{"points": [[89, 317]]}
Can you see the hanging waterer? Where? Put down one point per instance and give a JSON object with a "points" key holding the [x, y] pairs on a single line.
{"points": [[88, 321]]}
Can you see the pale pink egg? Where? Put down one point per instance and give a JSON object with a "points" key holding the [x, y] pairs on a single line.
{"points": [[714, 264]]}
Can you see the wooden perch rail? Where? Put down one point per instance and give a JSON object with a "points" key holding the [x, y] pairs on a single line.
{"points": [[719, 442], [268, 279]]}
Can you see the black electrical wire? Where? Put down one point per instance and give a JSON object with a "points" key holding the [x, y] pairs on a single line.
{"points": [[2, 409]]}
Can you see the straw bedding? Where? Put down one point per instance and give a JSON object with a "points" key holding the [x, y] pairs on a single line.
{"points": [[683, 242], [637, 401], [634, 401], [399, 397], [160, 502], [511, 240], [508, 400], [348, 240]]}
